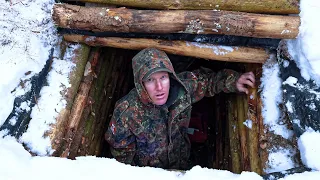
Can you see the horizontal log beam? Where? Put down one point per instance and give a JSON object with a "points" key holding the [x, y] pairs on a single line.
{"points": [[254, 6], [226, 40], [99, 19], [184, 48]]}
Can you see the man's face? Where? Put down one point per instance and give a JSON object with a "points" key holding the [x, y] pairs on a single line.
{"points": [[157, 86]]}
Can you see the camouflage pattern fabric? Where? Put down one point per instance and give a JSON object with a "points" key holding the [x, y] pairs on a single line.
{"points": [[143, 134]]}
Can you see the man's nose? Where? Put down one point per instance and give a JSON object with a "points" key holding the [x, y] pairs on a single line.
{"points": [[158, 85]]}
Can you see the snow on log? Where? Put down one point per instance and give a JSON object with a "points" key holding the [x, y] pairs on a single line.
{"points": [[193, 49], [101, 19], [253, 6]]}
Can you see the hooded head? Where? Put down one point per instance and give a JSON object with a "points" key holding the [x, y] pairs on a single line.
{"points": [[146, 63]]}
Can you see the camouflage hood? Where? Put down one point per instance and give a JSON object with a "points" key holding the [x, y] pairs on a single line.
{"points": [[145, 63]]}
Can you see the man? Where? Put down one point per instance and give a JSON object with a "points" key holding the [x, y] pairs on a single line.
{"points": [[149, 125]]}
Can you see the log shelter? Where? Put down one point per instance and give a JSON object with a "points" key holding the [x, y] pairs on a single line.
{"points": [[104, 75]]}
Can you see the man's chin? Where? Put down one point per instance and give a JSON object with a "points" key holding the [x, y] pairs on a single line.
{"points": [[160, 102]]}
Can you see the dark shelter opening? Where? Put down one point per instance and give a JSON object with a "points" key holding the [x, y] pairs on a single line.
{"points": [[208, 129]]}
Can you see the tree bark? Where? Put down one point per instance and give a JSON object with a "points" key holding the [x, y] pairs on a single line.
{"points": [[99, 19], [254, 6], [199, 50]]}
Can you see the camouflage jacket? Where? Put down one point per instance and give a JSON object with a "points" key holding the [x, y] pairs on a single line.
{"points": [[143, 134]]}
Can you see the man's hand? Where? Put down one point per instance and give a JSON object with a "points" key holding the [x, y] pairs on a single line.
{"points": [[246, 79]]}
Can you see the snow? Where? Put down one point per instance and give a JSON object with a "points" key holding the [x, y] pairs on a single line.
{"points": [[18, 160], [278, 159], [272, 98], [47, 111], [28, 35], [248, 123], [217, 49], [291, 81], [310, 149], [305, 49], [25, 45]]}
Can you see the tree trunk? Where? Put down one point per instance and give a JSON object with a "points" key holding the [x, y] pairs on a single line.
{"points": [[254, 6], [199, 50], [99, 19]]}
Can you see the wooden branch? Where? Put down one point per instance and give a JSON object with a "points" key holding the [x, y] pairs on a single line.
{"points": [[199, 50], [256, 6], [99, 19]]}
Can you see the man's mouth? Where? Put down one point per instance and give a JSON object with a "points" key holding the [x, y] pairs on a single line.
{"points": [[160, 96]]}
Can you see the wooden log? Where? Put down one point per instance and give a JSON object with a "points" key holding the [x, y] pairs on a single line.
{"points": [[263, 150], [234, 135], [253, 132], [111, 99], [226, 40], [218, 133], [245, 163], [100, 19], [95, 95], [99, 98], [102, 108], [263, 137], [80, 55], [78, 107], [255, 6], [199, 50], [93, 66]]}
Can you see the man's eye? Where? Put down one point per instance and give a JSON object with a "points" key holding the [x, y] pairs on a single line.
{"points": [[149, 80], [163, 77]]}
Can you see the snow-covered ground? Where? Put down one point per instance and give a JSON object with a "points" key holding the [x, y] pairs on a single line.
{"points": [[28, 35]]}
